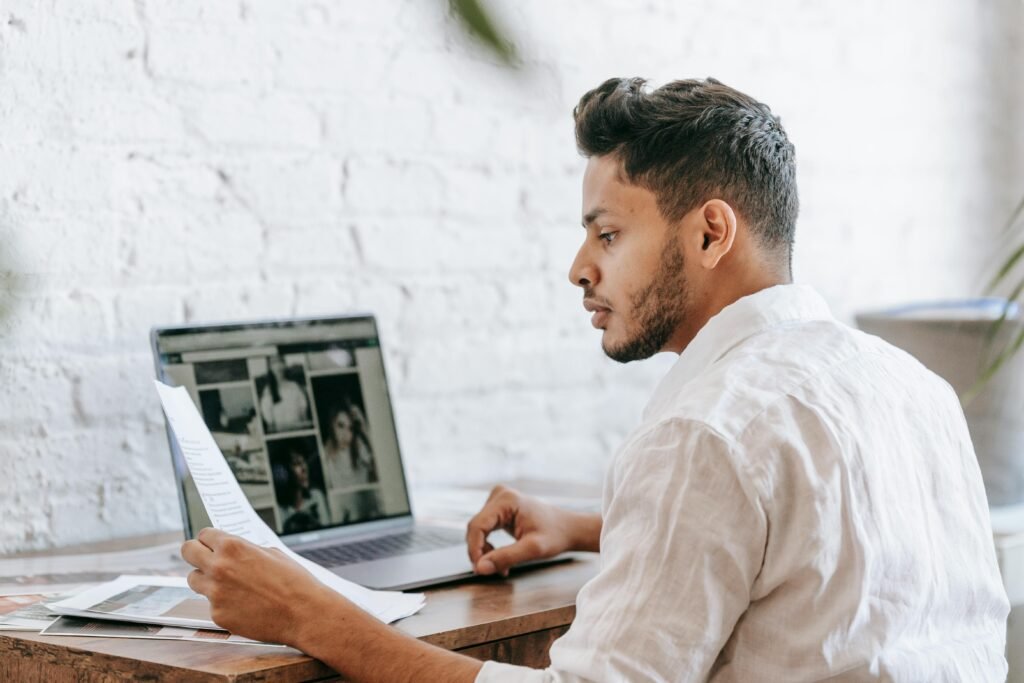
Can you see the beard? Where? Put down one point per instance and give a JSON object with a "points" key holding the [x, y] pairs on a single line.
{"points": [[657, 310]]}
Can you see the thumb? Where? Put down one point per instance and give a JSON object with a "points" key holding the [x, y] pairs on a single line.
{"points": [[499, 560]]}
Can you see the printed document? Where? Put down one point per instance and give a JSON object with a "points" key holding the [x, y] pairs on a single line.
{"points": [[92, 628], [165, 600], [230, 510]]}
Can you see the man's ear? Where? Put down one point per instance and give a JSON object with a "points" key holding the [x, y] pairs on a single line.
{"points": [[716, 232]]}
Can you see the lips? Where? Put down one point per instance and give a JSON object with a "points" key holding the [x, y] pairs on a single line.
{"points": [[600, 313]]}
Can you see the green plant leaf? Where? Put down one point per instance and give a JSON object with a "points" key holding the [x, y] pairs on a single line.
{"points": [[994, 367], [1015, 216], [1008, 265], [993, 330], [479, 24], [990, 368]]}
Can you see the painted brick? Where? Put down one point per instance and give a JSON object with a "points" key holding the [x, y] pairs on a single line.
{"points": [[193, 13], [388, 187], [254, 120], [56, 322], [68, 177], [282, 189], [193, 161], [208, 58], [307, 62], [395, 126]]}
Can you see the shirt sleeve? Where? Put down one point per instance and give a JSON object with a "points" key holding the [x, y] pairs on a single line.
{"points": [[683, 539]]}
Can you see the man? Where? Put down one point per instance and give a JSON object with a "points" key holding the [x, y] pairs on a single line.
{"points": [[800, 502]]}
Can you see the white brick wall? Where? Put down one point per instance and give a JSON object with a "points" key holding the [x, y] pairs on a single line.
{"points": [[163, 162]]}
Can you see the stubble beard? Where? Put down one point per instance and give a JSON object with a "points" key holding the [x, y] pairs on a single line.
{"points": [[657, 310]]}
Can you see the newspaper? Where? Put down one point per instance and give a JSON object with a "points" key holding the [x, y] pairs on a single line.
{"points": [[231, 511], [27, 612], [76, 626], [163, 600]]}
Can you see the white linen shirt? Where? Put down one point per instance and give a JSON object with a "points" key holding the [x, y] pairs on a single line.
{"points": [[800, 502]]}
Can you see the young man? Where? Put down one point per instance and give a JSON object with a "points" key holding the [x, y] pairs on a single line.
{"points": [[800, 502]]}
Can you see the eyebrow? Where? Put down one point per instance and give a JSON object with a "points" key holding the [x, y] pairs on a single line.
{"points": [[592, 216]]}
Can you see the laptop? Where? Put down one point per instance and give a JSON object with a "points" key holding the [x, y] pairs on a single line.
{"points": [[300, 409]]}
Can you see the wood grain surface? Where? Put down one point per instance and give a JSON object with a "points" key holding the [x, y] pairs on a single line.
{"points": [[513, 620]]}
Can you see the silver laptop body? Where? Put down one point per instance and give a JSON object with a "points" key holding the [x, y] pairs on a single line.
{"points": [[300, 409]]}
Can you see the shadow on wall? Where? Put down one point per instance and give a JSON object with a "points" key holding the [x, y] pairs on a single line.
{"points": [[10, 281]]}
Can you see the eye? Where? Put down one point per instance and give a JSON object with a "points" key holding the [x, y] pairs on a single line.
{"points": [[608, 237]]}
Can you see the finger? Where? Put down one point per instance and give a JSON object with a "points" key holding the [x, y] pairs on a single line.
{"points": [[502, 559], [499, 510], [211, 538], [496, 491], [483, 523], [199, 582], [480, 553], [196, 554]]}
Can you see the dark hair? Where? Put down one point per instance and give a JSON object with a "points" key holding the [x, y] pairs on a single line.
{"points": [[286, 485], [346, 407], [275, 392], [694, 140]]}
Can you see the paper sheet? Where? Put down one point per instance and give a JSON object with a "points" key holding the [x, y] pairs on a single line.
{"points": [[94, 628], [27, 612], [230, 510], [164, 600]]}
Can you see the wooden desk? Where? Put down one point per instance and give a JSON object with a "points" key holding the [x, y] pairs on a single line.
{"points": [[510, 620]]}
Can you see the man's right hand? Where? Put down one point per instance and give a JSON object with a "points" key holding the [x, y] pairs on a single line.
{"points": [[541, 531]]}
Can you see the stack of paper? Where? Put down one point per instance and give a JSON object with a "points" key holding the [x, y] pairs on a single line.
{"points": [[163, 600], [73, 626], [26, 612], [161, 607], [230, 511]]}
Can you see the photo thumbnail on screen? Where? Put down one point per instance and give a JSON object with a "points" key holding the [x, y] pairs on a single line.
{"points": [[298, 484], [349, 459], [284, 405]]}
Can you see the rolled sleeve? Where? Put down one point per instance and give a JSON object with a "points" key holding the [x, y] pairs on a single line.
{"points": [[682, 542]]}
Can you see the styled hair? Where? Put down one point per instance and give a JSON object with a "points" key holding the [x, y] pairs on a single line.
{"points": [[694, 140], [360, 441], [275, 391]]}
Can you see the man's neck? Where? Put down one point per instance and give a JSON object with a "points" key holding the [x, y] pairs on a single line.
{"points": [[714, 300]]}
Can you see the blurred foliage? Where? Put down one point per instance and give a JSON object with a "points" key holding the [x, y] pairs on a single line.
{"points": [[1009, 277], [482, 28]]}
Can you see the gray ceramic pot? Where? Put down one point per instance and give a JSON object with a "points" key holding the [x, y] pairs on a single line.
{"points": [[955, 350]]}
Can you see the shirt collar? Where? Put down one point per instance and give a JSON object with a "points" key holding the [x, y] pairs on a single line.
{"points": [[740, 320]]}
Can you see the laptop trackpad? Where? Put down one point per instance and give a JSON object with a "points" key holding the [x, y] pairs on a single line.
{"points": [[410, 571]]}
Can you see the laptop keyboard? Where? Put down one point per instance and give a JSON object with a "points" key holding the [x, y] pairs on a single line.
{"points": [[392, 545]]}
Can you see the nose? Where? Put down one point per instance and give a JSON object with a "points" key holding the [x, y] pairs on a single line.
{"points": [[582, 272]]}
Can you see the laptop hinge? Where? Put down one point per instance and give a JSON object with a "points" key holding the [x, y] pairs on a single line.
{"points": [[327, 537]]}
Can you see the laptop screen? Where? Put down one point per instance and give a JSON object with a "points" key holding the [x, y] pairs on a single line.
{"points": [[300, 409]]}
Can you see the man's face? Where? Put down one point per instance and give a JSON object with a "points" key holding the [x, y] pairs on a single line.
{"points": [[630, 265]]}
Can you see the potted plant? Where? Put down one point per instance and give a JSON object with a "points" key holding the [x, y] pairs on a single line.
{"points": [[975, 345]]}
